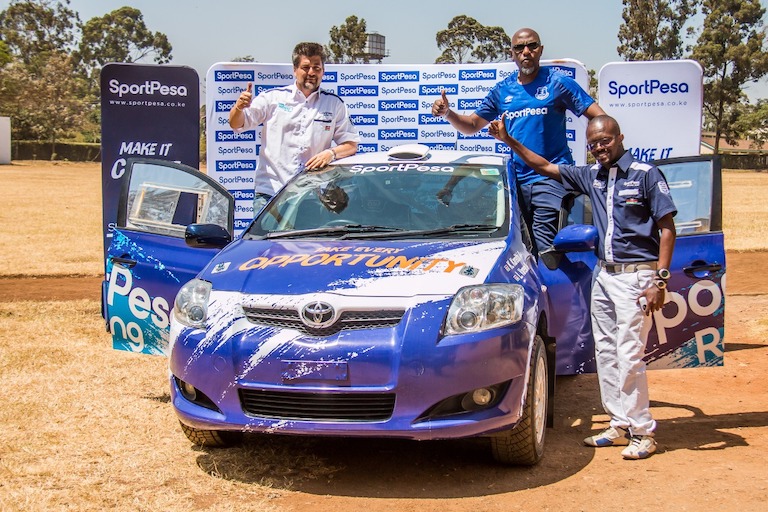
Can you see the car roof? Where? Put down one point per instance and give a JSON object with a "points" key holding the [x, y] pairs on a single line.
{"points": [[419, 153]]}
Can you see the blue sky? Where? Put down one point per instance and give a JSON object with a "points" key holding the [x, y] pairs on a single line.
{"points": [[204, 32]]}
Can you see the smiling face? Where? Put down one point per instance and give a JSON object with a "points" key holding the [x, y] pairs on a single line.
{"points": [[605, 140], [309, 73]]}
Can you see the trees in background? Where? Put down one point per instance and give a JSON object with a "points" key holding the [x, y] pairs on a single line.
{"points": [[119, 36], [348, 40], [729, 45], [467, 40], [50, 61], [653, 29], [50, 64], [731, 49]]}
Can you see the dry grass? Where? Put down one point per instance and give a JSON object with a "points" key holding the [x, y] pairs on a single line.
{"points": [[89, 428], [745, 210], [50, 219]]}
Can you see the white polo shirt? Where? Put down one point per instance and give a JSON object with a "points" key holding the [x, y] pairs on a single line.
{"points": [[295, 129]]}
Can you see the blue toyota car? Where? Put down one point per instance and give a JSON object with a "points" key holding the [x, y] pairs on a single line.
{"points": [[386, 295]]}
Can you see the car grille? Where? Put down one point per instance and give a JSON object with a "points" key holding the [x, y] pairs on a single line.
{"points": [[318, 406], [349, 320]]}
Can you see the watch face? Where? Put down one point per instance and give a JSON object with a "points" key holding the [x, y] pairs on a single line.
{"points": [[663, 273], [660, 284]]}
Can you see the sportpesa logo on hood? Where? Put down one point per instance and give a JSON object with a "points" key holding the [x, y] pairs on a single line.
{"points": [[148, 88]]}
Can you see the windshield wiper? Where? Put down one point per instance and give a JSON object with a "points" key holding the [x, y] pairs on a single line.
{"points": [[331, 230], [456, 228]]}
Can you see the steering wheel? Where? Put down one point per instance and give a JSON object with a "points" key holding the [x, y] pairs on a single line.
{"points": [[341, 222]]}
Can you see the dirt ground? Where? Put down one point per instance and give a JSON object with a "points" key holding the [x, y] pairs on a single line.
{"points": [[713, 437]]}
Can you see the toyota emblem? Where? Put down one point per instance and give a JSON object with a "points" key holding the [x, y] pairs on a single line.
{"points": [[317, 314]]}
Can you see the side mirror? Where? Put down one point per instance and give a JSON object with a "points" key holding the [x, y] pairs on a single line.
{"points": [[209, 236], [574, 238]]}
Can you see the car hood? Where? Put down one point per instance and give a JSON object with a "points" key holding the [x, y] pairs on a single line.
{"points": [[362, 268]]}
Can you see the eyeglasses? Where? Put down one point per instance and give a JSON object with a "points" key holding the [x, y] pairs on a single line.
{"points": [[600, 143], [532, 46]]}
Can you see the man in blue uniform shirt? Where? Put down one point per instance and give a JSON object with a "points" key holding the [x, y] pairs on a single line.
{"points": [[535, 100], [633, 211]]}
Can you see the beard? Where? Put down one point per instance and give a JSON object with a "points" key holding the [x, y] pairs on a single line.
{"points": [[527, 70]]}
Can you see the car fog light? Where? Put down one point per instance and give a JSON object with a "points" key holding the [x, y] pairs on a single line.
{"points": [[188, 391], [482, 396]]}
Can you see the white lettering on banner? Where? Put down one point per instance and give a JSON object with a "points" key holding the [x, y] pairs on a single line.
{"points": [[118, 168], [147, 88], [402, 167], [140, 305], [145, 148]]}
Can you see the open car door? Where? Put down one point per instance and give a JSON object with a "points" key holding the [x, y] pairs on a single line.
{"points": [[689, 330], [148, 259]]}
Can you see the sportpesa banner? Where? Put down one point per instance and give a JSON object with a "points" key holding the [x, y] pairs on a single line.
{"points": [[389, 105], [658, 105], [150, 111]]}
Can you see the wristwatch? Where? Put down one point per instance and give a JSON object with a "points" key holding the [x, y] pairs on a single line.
{"points": [[333, 154], [660, 283], [663, 273]]}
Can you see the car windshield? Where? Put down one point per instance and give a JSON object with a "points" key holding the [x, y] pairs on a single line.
{"points": [[390, 200]]}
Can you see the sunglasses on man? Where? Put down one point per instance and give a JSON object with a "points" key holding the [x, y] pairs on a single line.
{"points": [[532, 46]]}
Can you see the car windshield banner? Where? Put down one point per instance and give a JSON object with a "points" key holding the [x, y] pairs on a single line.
{"points": [[150, 111]]}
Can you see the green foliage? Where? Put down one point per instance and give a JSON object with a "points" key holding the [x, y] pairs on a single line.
{"points": [[5, 54], [35, 28], [731, 50], [120, 36], [49, 79], [466, 40], [652, 28], [348, 41], [46, 105], [753, 122]]}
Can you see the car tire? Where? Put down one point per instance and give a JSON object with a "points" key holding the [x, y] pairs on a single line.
{"points": [[524, 444], [211, 438]]}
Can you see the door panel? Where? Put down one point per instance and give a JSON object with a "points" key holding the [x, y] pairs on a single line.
{"points": [[148, 260]]}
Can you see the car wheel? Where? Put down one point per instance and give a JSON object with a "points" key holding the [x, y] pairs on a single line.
{"points": [[524, 444], [211, 438]]}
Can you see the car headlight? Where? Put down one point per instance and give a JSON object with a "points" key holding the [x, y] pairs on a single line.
{"points": [[191, 305], [482, 307]]}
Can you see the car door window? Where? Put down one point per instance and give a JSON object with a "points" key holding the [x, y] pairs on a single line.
{"points": [[164, 200]]}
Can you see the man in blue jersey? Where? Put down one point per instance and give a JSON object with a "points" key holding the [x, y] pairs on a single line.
{"points": [[535, 100], [301, 124], [633, 212]]}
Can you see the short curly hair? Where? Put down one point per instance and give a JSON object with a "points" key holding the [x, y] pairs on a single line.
{"points": [[308, 50]]}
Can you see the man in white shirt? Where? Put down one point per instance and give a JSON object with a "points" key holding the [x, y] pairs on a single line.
{"points": [[304, 125]]}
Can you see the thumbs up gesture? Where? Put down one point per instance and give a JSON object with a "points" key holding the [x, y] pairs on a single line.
{"points": [[440, 106], [246, 97]]}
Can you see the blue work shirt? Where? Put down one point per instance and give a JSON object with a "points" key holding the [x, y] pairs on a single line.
{"points": [[627, 201], [536, 115]]}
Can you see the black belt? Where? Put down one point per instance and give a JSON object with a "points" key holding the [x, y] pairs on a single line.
{"points": [[619, 268]]}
